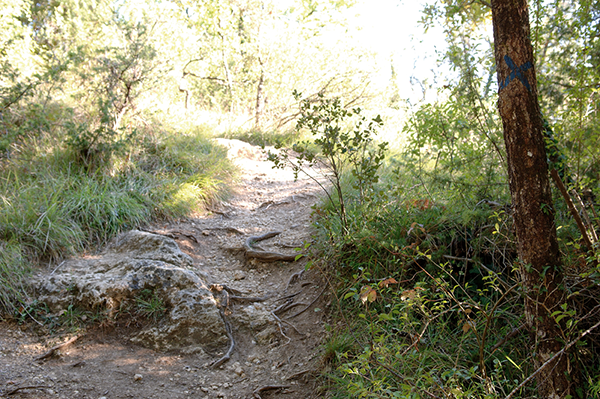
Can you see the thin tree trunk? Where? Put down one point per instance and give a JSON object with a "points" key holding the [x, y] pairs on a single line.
{"points": [[260, 99], [227, 71], [540, 263], [184, 87]]}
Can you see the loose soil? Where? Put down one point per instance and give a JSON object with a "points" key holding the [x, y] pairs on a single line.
{"points": [[103, 364]]}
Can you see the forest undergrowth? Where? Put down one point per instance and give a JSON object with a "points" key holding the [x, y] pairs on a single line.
{"points": [[423, 261], [419, 251]]}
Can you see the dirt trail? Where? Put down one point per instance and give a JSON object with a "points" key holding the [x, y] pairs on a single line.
{"points": [[103, 364]]}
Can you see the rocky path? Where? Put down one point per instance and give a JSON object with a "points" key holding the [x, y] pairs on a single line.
{"points": [[276, 338]]}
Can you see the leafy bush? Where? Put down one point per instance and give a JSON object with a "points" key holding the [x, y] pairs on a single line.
{"points": [[423, 262], [432, 293], [339, 150], [94, 147]]}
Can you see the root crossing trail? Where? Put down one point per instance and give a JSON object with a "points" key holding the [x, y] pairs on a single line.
{"points": [[230, 247]]}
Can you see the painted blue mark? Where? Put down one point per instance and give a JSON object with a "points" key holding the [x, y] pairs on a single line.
{"points": [[516, 72]]}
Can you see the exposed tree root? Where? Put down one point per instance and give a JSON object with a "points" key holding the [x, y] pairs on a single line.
{"points": [[226, 228], [284, 245], [288, 305], [13, 391], [294, 277], [230, 294], [268, 388], [288, 296], [248, 299], [223, 214], [308, 306], [268, 204], [223, 287], [227, 294], [298, 374], [227, 355], [234, 295], [265, 256], [279, 324], [189, 236], [291, 325], [56, 348]]}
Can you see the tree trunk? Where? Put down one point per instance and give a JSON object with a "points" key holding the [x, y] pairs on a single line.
{"points": [[184, 87], [260, 99], [540, 263]]}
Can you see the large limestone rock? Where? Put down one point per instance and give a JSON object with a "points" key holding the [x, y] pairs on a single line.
{"points": [[141, 261]]}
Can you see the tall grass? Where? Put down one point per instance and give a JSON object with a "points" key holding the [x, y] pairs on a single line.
{"points": [[52, 207], [14, 270]]}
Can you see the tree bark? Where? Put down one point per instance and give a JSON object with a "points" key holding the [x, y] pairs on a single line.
{"points": [[540, 264], [260, 99]]}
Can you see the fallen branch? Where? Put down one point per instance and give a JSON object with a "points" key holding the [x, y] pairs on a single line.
{"points": [[53, 350], [572, 209], [266, 256], [553, 358], [509, 336], [268, 388]]}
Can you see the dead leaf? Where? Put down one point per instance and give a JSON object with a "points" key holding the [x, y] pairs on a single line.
{"points": [[385, 283], [408, 294], [466, 327], [368, 294]]}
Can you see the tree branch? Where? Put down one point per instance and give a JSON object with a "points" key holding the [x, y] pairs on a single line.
{"points": [[556, 355]]}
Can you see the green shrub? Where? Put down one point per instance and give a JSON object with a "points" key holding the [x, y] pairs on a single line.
{"points": [[342, 150]]}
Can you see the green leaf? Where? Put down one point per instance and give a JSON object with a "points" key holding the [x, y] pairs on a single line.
{"points": [[348, 295]]}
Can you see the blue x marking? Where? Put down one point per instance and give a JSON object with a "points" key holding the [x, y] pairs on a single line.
{"points": [[516, 72]]}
